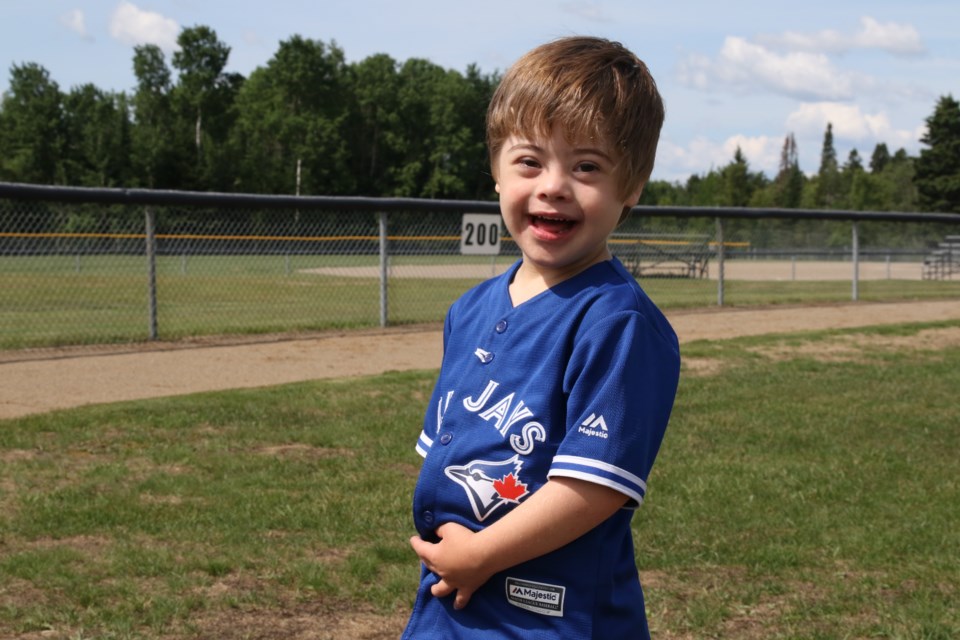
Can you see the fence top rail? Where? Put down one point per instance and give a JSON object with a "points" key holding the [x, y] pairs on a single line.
{"points": [[20, 191], [213, 199]]}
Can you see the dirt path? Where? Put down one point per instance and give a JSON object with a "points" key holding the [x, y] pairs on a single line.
{"points": [[44, 380]]}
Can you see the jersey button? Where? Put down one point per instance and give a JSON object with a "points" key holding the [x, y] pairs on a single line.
{"points": [[446, 438], [428, 517], [501, 326], [486, 358]]}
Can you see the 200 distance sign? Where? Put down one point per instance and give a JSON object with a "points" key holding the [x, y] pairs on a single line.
{"points": [[480, 234]]}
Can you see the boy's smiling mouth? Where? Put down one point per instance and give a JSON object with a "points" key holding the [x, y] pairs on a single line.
{"points": [[549, 226]]}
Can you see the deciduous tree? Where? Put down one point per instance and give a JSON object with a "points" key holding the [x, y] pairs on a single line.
{"points": [[374, 124], [96, 138], [31, 127], [154, 151], [291, 115], [200, 61]]}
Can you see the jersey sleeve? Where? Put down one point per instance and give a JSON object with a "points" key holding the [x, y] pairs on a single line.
{"points": [[620, 383]]}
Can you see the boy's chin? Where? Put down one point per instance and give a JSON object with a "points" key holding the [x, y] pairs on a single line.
{"points": [[563, 263]]}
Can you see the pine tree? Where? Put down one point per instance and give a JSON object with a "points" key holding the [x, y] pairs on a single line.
{"points": [[828, 155], [938, 168], [736, 181], [828, 184], [880, 158], [789, 181], [854, 163]]}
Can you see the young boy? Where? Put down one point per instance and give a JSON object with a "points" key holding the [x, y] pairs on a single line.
{"points": [[558, 377]]}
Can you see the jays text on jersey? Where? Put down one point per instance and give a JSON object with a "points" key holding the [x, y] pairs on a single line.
{"points": [[578, 381]]}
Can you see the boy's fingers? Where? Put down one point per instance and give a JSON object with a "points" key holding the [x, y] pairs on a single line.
{"points": [[451, 528], [442, 590], [416, 543], [463, 597], [422, 549]]}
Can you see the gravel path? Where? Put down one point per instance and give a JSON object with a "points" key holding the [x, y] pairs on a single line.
{"points": [[42, 380]]}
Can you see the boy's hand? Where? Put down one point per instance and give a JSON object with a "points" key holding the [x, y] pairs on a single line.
{"points": [[557, 513], [455, 559]]}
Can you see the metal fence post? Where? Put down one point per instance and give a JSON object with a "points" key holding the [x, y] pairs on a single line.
{"points": [[384, 268], [720, 257], [856, 261], [151, 251]]}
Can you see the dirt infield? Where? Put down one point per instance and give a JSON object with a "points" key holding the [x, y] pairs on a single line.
{"points": [[815, 270], [37, 381], [751, 270]]}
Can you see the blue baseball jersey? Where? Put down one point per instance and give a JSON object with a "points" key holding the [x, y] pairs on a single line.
{"points": [[576, 382]]}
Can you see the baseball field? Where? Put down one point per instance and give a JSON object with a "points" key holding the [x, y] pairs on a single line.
{"points": [[807, 486]]}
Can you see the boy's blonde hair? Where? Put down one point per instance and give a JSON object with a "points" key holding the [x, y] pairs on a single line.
{"points": [[593, 89]]}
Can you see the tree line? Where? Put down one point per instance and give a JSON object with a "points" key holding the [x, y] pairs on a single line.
{"points": [[308, 122]]}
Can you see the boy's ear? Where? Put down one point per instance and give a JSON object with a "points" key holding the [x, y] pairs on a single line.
{"points": [[634, 196], [496, 186]]}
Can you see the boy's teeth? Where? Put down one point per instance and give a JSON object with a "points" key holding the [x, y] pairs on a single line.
{"points": [[555, 224]]}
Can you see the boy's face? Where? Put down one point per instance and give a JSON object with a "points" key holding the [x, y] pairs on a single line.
{"points": [[560, 202]]}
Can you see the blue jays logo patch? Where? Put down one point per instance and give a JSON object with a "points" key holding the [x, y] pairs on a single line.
{"points": [[490, 485]]}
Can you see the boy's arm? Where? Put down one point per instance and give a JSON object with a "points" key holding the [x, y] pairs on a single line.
{"points": [[559, 512]]}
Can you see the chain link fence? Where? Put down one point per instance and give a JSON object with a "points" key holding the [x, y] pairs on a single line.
{"points": [[85, 266]]}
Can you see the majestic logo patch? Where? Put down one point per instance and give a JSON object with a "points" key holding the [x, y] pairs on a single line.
{"points": [[546, 599], [490, 485], [595, 426]]}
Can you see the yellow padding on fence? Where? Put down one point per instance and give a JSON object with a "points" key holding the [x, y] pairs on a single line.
{"points": [[191, 236]]}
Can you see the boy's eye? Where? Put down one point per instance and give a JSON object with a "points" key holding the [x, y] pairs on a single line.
{"points": [[529, 162], [588, 167]]}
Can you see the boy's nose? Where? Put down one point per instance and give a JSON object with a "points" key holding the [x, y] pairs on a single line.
{"points": [[553, 186]]}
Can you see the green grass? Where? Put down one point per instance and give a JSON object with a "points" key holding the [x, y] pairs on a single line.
{"points": [[807, 488], [301, 489], [64, 300]]}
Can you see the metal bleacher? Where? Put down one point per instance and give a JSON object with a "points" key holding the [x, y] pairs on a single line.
{"points": [[944, 261], [656, 255]]}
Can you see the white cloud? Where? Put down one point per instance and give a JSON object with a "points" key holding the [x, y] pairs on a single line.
{"points": [[76, 22], [900, 39], [852, 128], [850, 123], [133, 26], [701, 155], [762, 152], [675, 161], [744, 66], [799, 65], [894, 38]]}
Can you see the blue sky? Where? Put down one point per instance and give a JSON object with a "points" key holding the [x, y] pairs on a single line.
{"points": [[732, 73]]}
